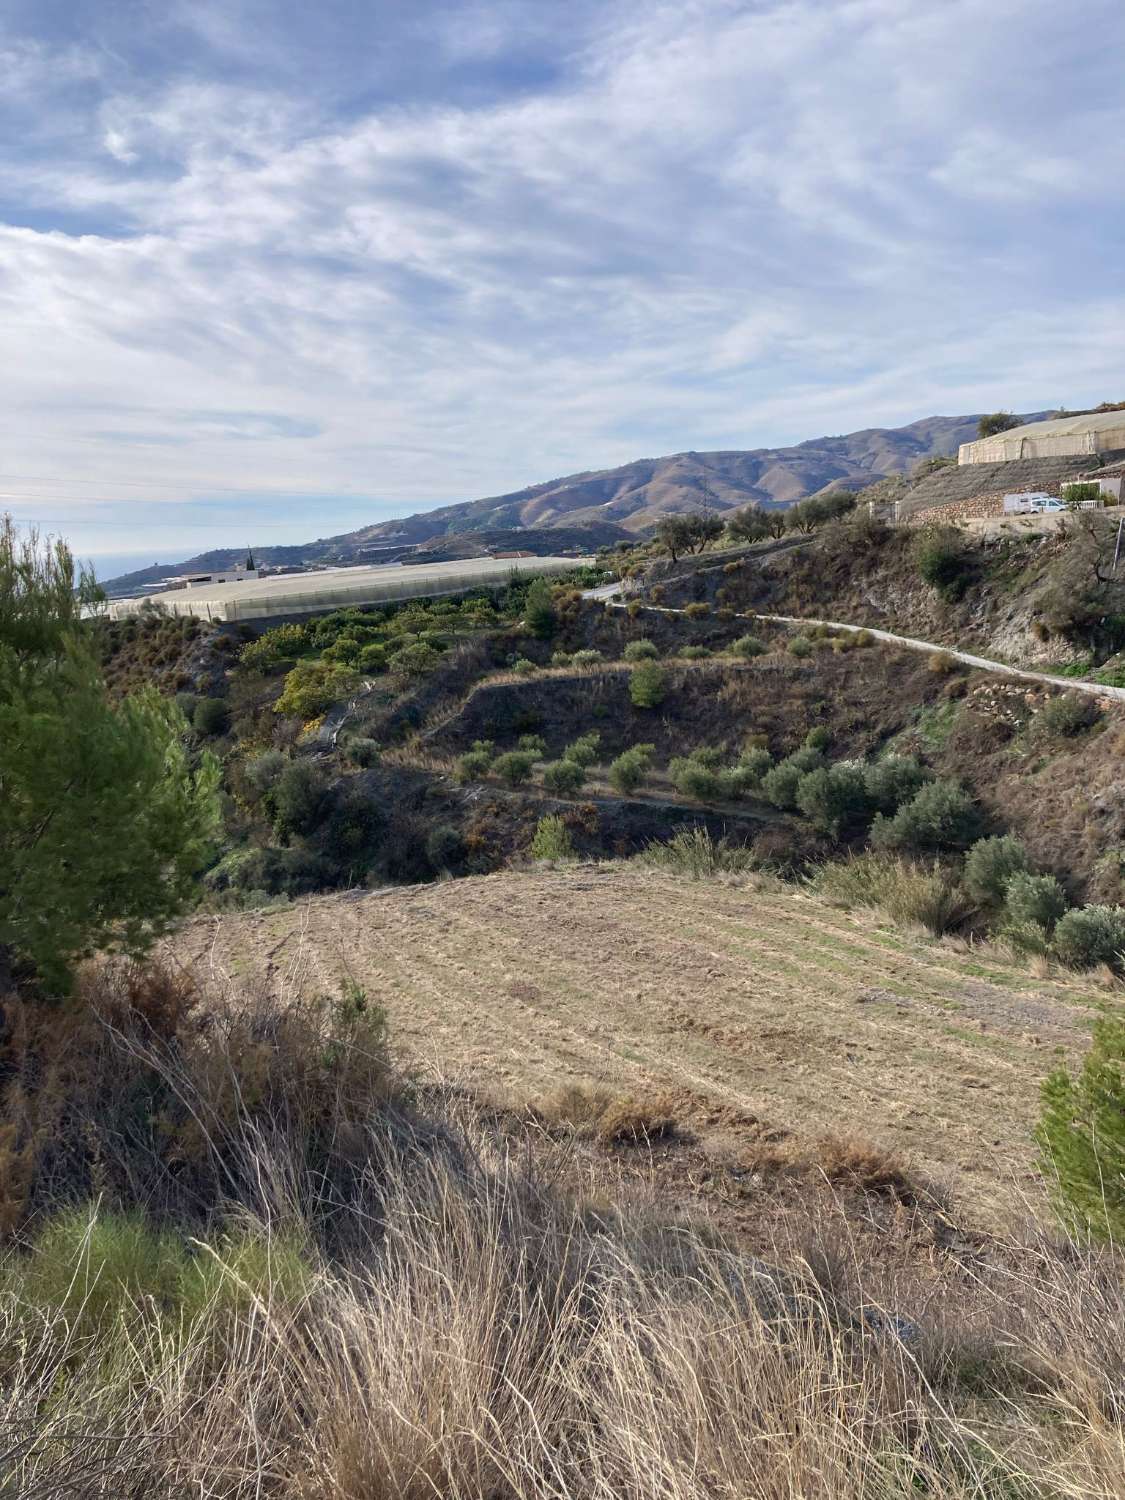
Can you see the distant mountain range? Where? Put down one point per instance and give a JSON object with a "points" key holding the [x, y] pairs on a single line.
{"points": [[604, 505]]}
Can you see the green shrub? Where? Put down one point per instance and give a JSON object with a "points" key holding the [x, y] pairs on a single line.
{"points": [[835, 798], [991, 863], [584, 750], [473, 764], [697, 611], [314, 686], [647, 685], [941, 816], [563, 776], [695, 853], [560, 659], [1067, 714], [273, 647], [1081, 1136], [363, 752], [693, 653], [93, 1268], [444, 846], [262, 771], [299, 796], [523, 666], [587, 658], [747, 646], [1091, 935], [552, 839], [818, 738], [515, 767], [942, 563], [628, 771], [800, 646], [693, 779], [414, 661], [345, 648], [1037, 899], [211, 716], [1082, 492], [640, 651], [533, 744], [779, 785], [372, 658], [862, 639], [753, 765], [894, 780], [540, 616], [806, 758]]}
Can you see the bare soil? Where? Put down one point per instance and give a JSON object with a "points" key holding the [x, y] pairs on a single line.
{"points": [[753, 1010]]}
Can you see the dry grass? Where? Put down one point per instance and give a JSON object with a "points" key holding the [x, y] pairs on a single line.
{"points": [[414, 1308], [600, 1114], [485, 1337]]}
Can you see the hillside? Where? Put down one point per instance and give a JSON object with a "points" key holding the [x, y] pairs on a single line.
{"points": [[611, 504], [637, 494]]}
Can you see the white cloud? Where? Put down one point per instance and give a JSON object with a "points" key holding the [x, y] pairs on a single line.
{"points": [[727, 224]]}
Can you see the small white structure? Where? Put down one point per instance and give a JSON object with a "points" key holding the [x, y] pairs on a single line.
{"points": [[238, 574]]}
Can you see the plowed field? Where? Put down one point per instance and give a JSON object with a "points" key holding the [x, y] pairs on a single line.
{"points": [[749, 1006]]}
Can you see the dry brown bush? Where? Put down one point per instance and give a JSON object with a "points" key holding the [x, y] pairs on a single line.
{"points": [[600, 1114]]}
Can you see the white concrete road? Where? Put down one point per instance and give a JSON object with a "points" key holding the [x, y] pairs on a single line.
{"points": [[610, 592]]}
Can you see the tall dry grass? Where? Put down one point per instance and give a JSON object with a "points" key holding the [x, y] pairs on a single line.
{"points": [[464, 1327]]}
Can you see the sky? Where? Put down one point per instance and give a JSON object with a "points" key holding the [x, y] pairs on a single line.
{"points": [[270, 270]]}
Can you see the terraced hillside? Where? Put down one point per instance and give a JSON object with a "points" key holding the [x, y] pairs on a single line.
{"points": [[751, 1007]]}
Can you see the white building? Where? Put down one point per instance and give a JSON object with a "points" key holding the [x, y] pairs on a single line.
{"points": [[238, 574]]}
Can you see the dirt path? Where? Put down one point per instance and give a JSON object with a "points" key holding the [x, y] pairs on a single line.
{"points": [[749, 1006]]}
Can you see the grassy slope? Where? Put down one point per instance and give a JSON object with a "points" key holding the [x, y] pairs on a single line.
{"points": [[747, 1006]]}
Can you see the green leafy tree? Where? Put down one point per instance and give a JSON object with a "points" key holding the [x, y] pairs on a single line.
{"points": [[941, 816], [647, 685], [994, 422], [1086, 492], [417, 660], [990, 865], [584, 750], [1081, 1136], [552, 839], [211, 716], [1038, 899], [105, 819], [539, 614], [749, 524], [515, 767], [628, 771], [314, 686], [835, 798], [563, 777]]}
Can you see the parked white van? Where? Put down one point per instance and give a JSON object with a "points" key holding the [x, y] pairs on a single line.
{"points": [[1031, 503]]}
